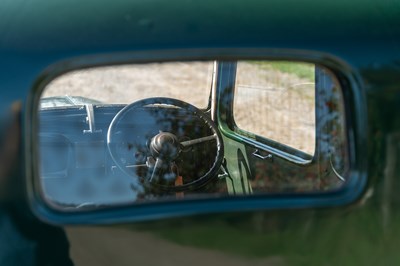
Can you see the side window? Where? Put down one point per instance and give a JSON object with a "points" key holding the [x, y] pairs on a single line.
{"points": [[288, 118], [275, 103]]}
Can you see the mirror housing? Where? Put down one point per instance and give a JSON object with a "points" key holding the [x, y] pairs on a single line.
{"points": [[168, 207]]}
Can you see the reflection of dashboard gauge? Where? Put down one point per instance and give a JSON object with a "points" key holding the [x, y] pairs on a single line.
{"points": [[55, 146], [89, 154]]}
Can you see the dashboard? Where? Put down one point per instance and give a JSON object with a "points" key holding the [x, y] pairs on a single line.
{"points": [[76, 166]]}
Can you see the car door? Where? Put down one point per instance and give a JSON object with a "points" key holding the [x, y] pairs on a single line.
{"points": [[355, 223], [277, 119]]}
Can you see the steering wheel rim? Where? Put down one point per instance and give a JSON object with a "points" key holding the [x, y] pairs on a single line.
{"points": [[198, 182]]}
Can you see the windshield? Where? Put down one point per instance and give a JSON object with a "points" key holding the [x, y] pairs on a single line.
{"points": [[187, 81]]}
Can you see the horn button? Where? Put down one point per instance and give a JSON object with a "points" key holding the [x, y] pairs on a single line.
{"points": [[165, 146]]}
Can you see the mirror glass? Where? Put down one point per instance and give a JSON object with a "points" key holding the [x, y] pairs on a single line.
{"points": [[130, 134]]}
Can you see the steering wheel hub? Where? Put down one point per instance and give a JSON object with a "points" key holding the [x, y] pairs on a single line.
{"points": [[165, 146]]}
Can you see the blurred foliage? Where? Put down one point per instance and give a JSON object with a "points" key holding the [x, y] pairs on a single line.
{"points": [[300, 69], [299, 238]]}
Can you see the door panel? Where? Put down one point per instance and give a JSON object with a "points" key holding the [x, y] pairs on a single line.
{"points": [[286, 127]]}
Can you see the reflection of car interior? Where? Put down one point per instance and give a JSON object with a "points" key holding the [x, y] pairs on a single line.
{"points": [[169, 139], [95, 153], [164, 146]]}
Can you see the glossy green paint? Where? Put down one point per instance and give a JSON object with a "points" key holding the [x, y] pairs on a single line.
{"points": [[363, 36]]}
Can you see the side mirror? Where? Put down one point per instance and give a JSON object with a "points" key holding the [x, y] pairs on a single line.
{"points": [[140, 137]]}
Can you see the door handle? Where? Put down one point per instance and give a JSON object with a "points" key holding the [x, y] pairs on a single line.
{"points": [[257, 154]]}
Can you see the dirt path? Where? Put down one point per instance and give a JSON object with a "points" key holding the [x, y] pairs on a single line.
{"points": [[98, 246], [128, 83]]}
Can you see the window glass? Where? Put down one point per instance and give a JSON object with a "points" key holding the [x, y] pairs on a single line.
{"points": [[187, 81], [276, 101]]}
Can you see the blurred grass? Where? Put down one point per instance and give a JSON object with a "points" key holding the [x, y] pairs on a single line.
{"points": [[300, 69], [310, 239]]}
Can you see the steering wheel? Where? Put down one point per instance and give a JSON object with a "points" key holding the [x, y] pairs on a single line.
{"points": [[149, 140]]}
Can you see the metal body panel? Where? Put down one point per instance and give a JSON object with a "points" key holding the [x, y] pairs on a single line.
{"points": [[361, 38]]}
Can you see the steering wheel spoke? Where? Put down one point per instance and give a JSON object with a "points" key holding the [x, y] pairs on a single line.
{"points": [[155, 170], [135, 165], [188, 143]]}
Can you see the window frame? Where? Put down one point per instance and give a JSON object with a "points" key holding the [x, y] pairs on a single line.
{"points": [[226, 80], [226, 75]]}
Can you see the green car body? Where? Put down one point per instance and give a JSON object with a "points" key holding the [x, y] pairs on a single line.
{"points": [[359, 40]]}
